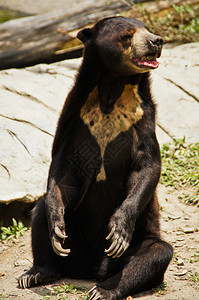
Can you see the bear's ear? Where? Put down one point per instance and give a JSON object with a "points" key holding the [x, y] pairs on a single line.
{"points": [[84, 35]]}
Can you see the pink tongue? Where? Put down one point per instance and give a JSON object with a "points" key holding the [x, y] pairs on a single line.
{"points": [[152, 64], [147, 63]]}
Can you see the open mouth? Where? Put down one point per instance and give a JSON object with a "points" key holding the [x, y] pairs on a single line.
{"points": [[148, 61]]}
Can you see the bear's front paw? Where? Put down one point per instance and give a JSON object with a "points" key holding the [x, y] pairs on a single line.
{"points": [[120, 235], [57, 241]]}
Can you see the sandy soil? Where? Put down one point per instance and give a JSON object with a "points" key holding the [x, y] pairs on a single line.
{"points": [[180, 227]]}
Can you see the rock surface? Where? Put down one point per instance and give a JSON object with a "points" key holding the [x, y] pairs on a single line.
{"points": [[32, 98], [176, 91], [38, 7]]}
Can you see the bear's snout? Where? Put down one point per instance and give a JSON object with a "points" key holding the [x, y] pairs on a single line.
{"points": [[155, 43]]}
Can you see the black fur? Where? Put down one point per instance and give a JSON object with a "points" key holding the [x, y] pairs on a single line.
{"points": [[86, 209]]}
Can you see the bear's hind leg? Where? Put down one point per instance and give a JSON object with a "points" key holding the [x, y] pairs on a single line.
{"points": [[37, 275], [45, 260], [144, 269]]}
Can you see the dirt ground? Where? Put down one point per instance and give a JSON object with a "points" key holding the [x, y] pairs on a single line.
{"points": [[180, 227]]}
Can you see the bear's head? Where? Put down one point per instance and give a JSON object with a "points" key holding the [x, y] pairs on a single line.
{"points": [[124, 45]]}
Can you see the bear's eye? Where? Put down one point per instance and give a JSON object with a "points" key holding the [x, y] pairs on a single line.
{"points": [[126, 37]]}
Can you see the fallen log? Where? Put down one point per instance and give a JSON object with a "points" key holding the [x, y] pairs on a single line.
{"points": [[47, 37], [51, 37]]}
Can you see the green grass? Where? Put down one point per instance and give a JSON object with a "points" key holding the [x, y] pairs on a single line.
{"points": [[7, 14], [194, 277], [13, 231], [195, 257], [60, 292], [179, 23], [160, 289], [180, 169]]}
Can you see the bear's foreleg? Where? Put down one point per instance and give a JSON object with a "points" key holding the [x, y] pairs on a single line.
{"points": [[55, 215], [142, 185], [45, 261]]}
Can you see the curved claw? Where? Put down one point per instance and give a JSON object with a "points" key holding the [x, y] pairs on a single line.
{"points": [[58, 248], [26, 281], [121, 250], [94, 294], [92, 289], [36, 277], [30, 280], [111, 232], [23, 282], [112, 247], [115, 249], [59, 233]]}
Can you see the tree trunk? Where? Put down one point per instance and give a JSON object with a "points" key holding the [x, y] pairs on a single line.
{"points": [[47, 37], [51, 37]]}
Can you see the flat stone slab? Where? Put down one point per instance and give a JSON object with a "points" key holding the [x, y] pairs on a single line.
{"points": [[176, 92], [39, 7], [32, 98]]}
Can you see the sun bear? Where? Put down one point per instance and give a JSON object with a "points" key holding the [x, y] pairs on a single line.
{"points": [[100, 219]]}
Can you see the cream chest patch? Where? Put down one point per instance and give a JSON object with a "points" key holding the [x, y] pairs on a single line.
{"points": [[106, 127]]}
